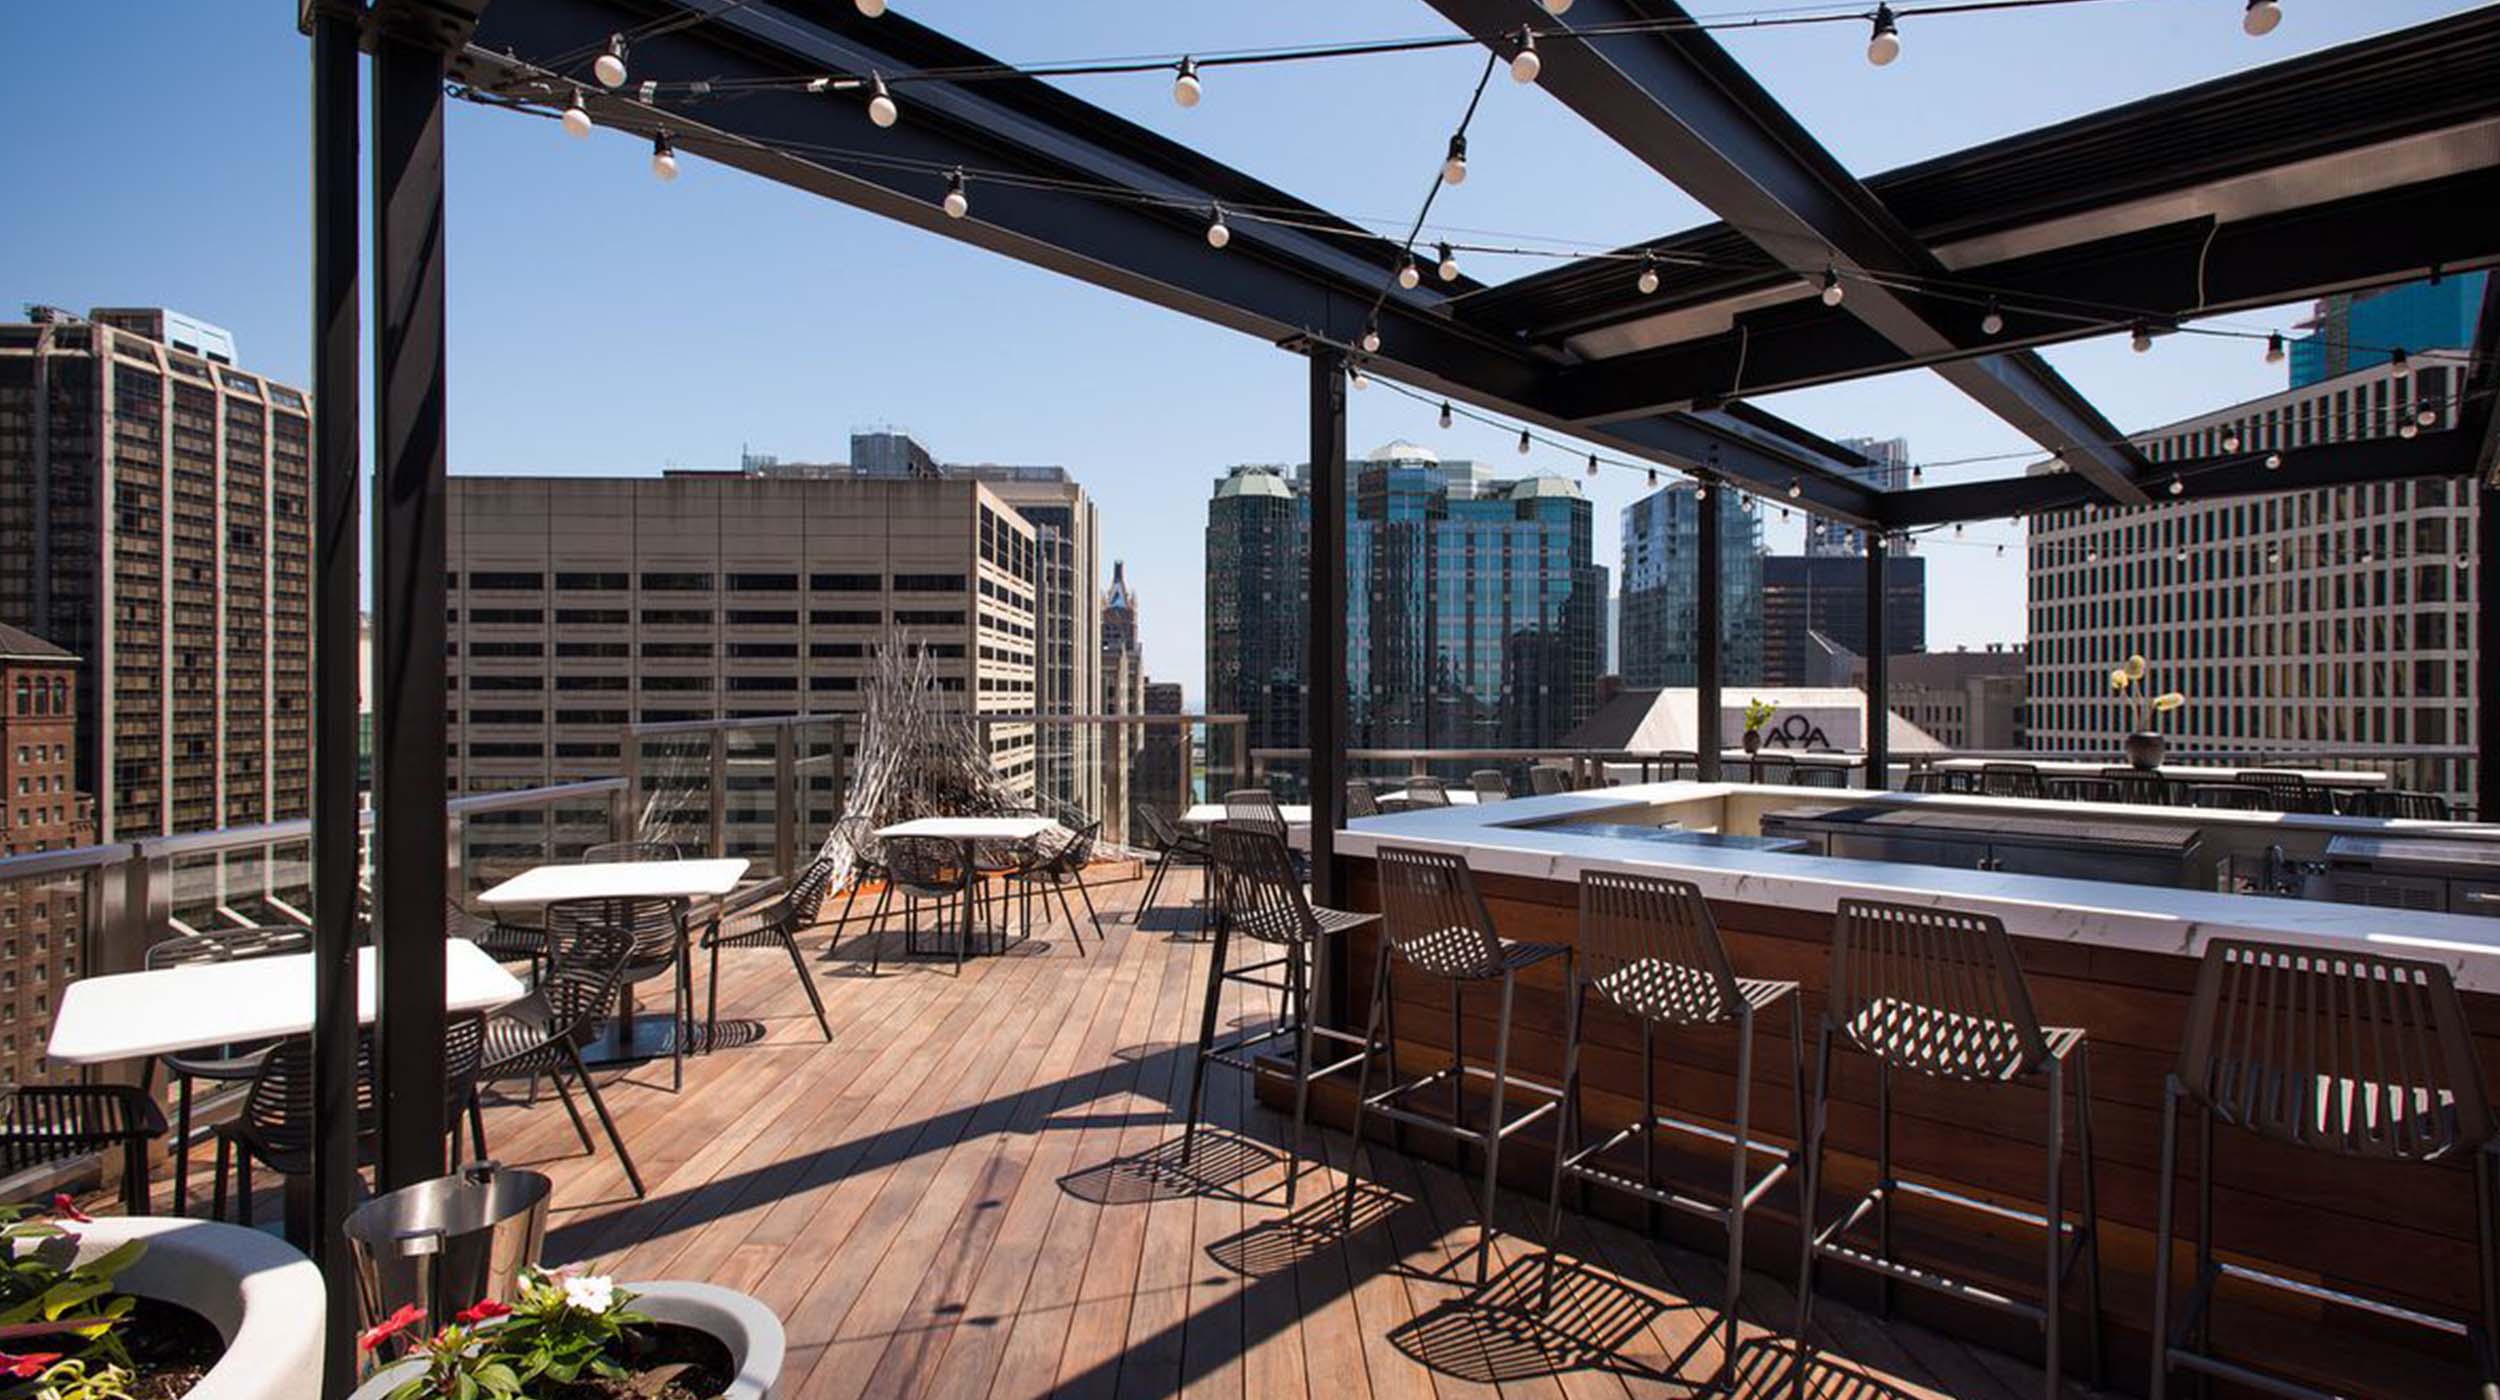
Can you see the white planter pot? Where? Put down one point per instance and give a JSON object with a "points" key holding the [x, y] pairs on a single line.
{"points": [[746, 1327], [260, 1293]]}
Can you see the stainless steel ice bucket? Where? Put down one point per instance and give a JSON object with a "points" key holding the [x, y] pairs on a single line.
{"points": [[446, 1243]]}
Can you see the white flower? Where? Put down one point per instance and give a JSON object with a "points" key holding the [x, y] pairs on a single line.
{"points": [[592, 1293]]}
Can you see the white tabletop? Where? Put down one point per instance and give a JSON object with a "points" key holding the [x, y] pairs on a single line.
{"points": [[1395, 797], [972, 828], [1209, 813], [133, 1014], [626, 879], [2177, 772]]}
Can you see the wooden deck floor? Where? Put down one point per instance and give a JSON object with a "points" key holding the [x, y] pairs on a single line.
{"points": [[973, 1190]]}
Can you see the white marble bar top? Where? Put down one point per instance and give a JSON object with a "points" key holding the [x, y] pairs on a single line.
{"points": [[2176, 772], [2143, 917]]}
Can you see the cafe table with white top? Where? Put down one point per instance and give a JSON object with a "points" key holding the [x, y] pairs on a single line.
{"points": [[630, 1037], [966, 833]]}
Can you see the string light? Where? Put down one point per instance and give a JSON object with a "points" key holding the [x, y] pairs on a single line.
{"points": [[1592, 466], [1701, 488], [1885, 45], [2274, 347], [577, 117], [1523, 442], [1648, 280], [2397, 365], [1832, 291], [663, 158], [2408, 429], [609, 69], [2177, 487], [1186, 89], [2143, 338], [2426, 416], [2274, 461], [1525, 65], [1445, 413], [1454, 168], [871, 8], [1556, 7], [1217, 234], [1449, 264], [1361, 380], [957, 203], [2261, 18], [1653, 478], [2230, 440], [881, 108], [1409, 275], [1796, 488], [1994, 322], [1371, 340]]}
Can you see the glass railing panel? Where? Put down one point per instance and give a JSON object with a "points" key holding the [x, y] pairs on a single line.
{"points": [[671, 797], [820, 770], [46, 922]]}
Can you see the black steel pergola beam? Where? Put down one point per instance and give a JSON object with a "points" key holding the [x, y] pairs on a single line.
{"points": [[2448, 453], [2168, 273], [1680, 103]]}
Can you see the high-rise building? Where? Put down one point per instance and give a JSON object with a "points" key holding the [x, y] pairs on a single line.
{"points": [[1475, 611], [1661, 579], [1806, 595], [155, 520], [41, 809], [1966, 699], [1887, 469], [1123, 673], [2358, 330], [582, 605], [1163, 759], [2305, 620]]}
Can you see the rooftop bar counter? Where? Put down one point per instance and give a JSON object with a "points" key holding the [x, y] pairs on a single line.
{"points": [[2118, 960]]}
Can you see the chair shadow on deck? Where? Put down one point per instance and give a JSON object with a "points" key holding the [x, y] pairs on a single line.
{"points": [[1767, 1366], [1216, 1165], [1541, 1316], [1314, 1228]]}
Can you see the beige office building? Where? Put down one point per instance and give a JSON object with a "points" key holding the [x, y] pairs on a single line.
{"points": [[583, 606], [155, 519], [2340, 618]]}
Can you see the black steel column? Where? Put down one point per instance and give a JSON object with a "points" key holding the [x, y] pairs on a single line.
{"points": [[2486, 583], [1324, 721], [1708, 586], [408, 597], [315, 1212], [1878, 664]]}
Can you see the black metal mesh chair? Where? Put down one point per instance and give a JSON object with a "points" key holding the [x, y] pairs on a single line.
{"points": [[1435, 922], [1177, 850], [498, 939], [1650, 949], [791, 911], [542, 1032], [43, 1125], [2287, 791], [2079, 790], [933, 868], [2009, 780], [1260, 896], [2140, 786], [628, 851], [2348, 1054], [2389, 802], [1821, 775], [216, 1064], [1489, 784], [1547, 782], [1360, 800], [1251, 805], [1054, 870], [2230, 797], [1940, 993], [275, 1125], [1422, 791], [1925, 780], [1772, 768], [867, 864]]}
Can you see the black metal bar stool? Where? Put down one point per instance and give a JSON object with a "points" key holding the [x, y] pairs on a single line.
{"points": [[1650, 948], [1939, 992], [2350, 1054], [1259, 896], [1434, 921]]}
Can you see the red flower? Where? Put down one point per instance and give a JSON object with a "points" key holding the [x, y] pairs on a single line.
{"points": [[408, 1316], [485, 1310], [29, 1366], [67, 1209]]}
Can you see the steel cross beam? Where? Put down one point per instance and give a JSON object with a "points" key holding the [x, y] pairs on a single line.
{"points": [[1684, 106], [1288, 285]]}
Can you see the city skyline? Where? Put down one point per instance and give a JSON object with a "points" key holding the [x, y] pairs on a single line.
{"points": [[574, 264]]}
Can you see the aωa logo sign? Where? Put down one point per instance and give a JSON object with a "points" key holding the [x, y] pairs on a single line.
{"points": [[1796, 732]]}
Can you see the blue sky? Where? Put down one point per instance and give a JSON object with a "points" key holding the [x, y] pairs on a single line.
{"points": [[602, 322]]}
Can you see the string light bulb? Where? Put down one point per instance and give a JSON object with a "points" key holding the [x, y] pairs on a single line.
{"points": [[2177, 487], [1701, 489], [577, 117], [1409, 275], [1523, 442], [1648, 280], [1556, 7], [2274, 348], [2274, 461], [1449, 264], [1525, 65], [663, 158], [2000, 551], [1186, 89], [1885, 44], [1592, 466], [957, 203], [1361, 380], [2426, 415], [2142, 340], [2230, 440], [1994, 322], [872, 8], [2408, 429], [609, 68], [1454, 167], [881, 108], [1796, 488], [1445, 413], [2398, 366], [1832, 290], [1217, 233], [1653, 478], [1371, 340], [2261, 18]]}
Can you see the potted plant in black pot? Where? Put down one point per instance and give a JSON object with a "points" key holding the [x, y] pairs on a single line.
{"points": [[2144, 746], [1757, 714]]}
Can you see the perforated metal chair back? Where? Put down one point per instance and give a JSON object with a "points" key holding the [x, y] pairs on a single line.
{"points": [[928, 866], [1649, 946], [2286, 791], [2353, 1053], [867, 848], [1427, 792], [228, 945], [1937, 991], [1823, 775], [1253, 804], [805, 897], [1075, 853], [1431, 914], [2389, 802], [1162, 833], [585, 966], [621, 851], [651, 919], [1359, 800], [2140, 786], [1489, 784], [1548, 782], [1255, 879], [2009, 780], [2079, 789], [2230, 797], [1775, 768], [277, 1113]]}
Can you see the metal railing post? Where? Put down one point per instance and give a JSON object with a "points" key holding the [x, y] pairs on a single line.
{"points": [[719, 844], [786, 799]]}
